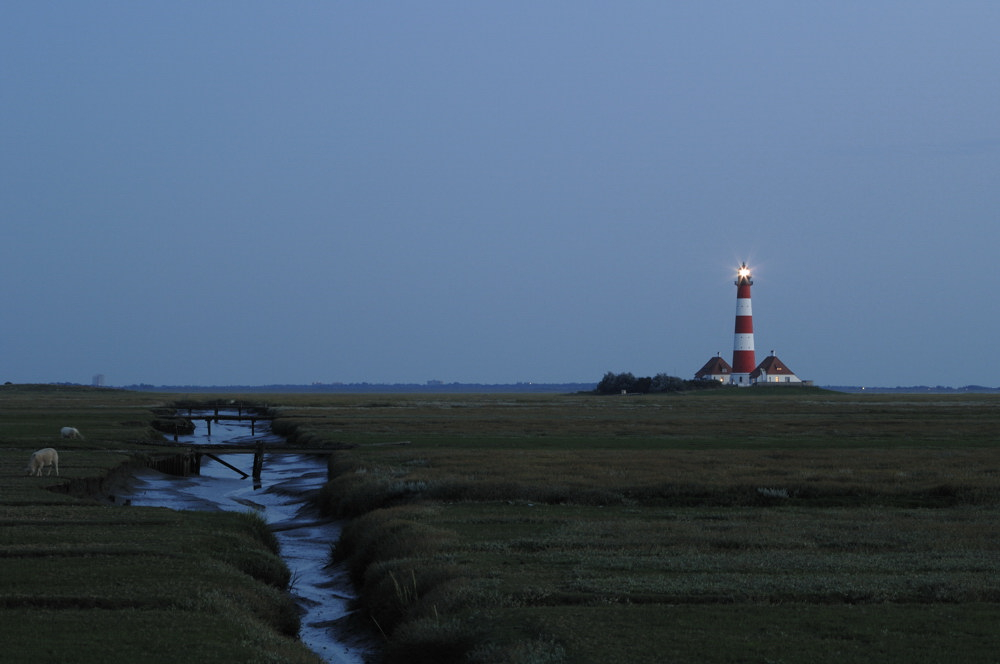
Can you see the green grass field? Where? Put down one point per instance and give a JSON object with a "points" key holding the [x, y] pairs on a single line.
{"points": [[770, 525], [778, 525]]}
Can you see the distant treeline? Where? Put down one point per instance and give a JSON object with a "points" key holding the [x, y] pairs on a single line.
{"points": [[613, 383]]}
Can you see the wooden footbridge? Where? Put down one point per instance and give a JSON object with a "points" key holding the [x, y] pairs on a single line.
{"points": [[258, 450], [188, 462], [208, 419]]}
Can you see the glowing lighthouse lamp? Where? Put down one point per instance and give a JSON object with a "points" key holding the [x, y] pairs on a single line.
{"points": [[743, 356]]}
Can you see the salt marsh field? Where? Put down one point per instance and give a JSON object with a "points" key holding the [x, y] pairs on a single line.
{"points": [[771, 525]]}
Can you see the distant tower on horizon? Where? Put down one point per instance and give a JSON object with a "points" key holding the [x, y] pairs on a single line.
{"points": [[744, 361]]}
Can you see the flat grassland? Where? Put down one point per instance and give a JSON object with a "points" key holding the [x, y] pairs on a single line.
{"points": [[781, 525], [762, 525]]}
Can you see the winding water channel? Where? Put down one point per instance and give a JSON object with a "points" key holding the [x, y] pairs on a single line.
{"points": [[284, 498]]}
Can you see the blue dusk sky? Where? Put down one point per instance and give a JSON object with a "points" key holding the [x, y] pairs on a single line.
{"points": [[217, 193]]}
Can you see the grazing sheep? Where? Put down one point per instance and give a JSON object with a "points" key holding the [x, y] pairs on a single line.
{"points": [[70, 432], [42, 458]]}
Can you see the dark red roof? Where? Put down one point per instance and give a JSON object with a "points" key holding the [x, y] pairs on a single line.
{"points": [[714, 367], [773, 367]]}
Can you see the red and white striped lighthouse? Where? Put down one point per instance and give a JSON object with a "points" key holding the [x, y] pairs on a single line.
{"points": [[743, 356]]}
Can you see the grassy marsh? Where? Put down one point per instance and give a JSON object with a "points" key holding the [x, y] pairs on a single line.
{"points": [[86, 581], [777, 525], [760, 526]]}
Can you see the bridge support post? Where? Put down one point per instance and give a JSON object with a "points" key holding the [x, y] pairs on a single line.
{"points": [[258, 461]]}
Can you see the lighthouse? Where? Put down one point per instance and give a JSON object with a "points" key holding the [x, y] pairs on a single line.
{"points": [[743, 356], [744, 371]]}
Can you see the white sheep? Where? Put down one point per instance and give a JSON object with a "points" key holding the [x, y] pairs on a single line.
{"points": [[70, 432], [41, 459]]}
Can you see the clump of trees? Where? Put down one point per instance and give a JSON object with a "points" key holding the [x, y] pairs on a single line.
{"points": [[613, 383]]}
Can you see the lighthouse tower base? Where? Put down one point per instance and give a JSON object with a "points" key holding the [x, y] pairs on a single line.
{"points": [[740, 379]]}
